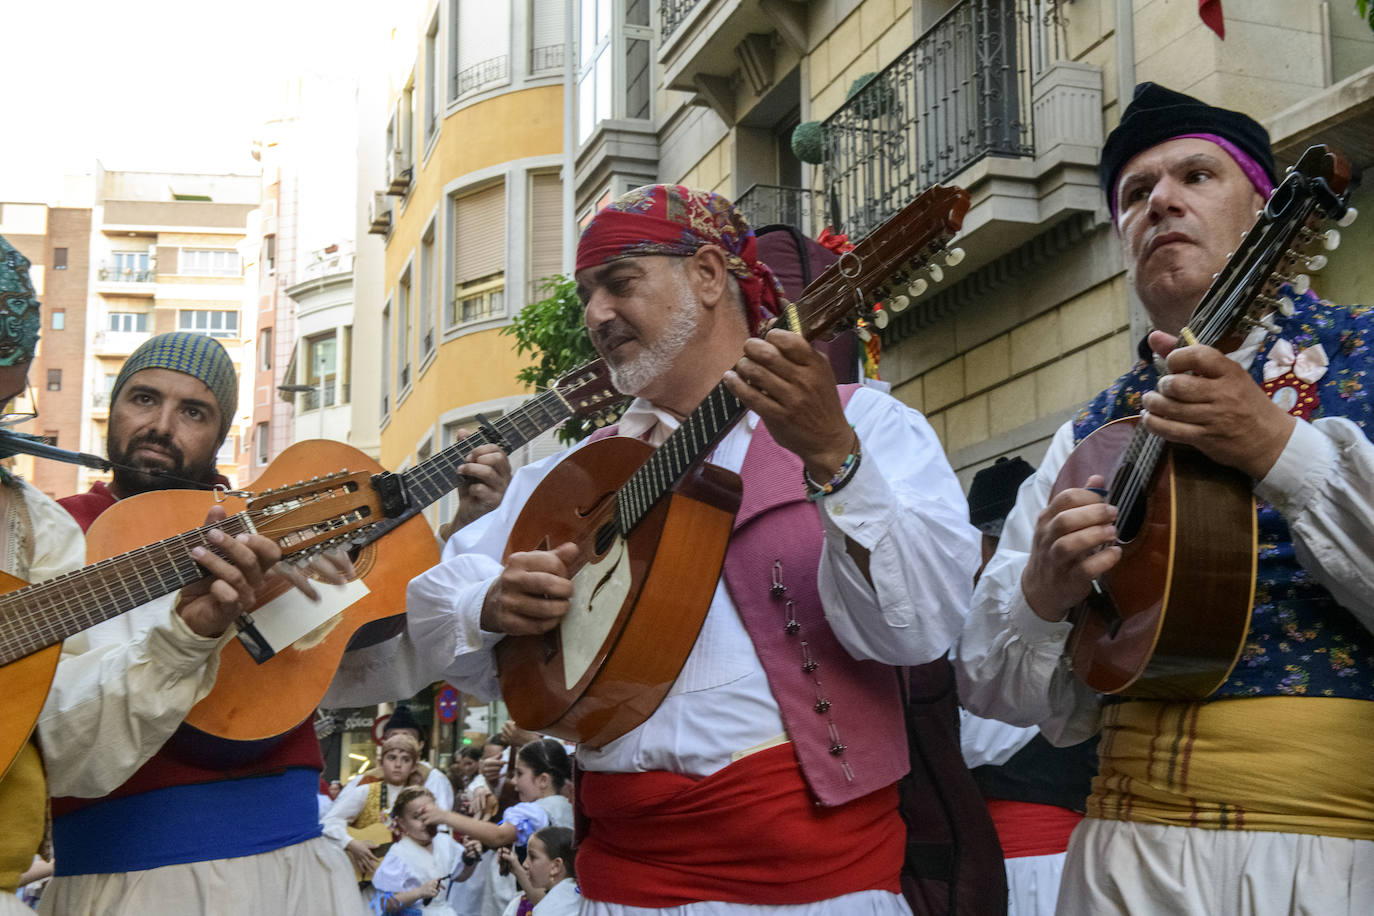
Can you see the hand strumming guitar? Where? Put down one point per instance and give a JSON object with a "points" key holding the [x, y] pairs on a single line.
{"points": [[1209, 402], [531, 594], [1073, 544]]}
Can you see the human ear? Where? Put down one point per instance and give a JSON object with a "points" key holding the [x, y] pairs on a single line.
{"points": [[709, 276]]}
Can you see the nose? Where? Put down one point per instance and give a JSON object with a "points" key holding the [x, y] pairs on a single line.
{"points": [[1166, 197], [598, 309]]}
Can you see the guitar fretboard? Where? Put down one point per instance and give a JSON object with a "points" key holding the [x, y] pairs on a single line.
{"points": [[697, 435], [43, 615]]}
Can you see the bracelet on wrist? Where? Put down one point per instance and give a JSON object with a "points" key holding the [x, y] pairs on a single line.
{"points": [[843, 476]]}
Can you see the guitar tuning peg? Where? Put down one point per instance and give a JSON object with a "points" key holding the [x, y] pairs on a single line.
{"points": [[1316, 262], [899, 303], [1331, 239], [1350, 214], [1287, 306], [918, 286], [1269, 325], [954, 257], [880, 318], [864, 334], [1301, 284], [936, 274]]}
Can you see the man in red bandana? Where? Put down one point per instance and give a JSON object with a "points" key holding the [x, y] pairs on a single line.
{"points": [[765, 781]]}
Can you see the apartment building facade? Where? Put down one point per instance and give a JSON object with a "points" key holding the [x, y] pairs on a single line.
{"points": [[466, 199], [1010, 99], [164, 255], [57, 242]]}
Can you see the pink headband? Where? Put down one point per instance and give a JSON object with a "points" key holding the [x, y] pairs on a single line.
{"points": [[1248, 166]]}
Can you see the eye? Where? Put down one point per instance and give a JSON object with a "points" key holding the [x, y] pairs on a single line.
{"points": [[619, 286], [1197, 176], [195, 413]]}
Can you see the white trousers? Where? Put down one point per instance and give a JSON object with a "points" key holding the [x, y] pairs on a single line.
{"points": [[1120, 867], [307, 879]]}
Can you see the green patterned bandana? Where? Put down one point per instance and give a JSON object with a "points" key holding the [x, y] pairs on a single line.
{"points": [[19, 319]]}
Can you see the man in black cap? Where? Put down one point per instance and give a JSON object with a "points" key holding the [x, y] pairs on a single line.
{"points": [[1258, 800]]}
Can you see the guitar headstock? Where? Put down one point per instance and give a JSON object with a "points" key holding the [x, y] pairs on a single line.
{"points": [[309, 516], [589, 393], [1281, 250], [894, 264]]}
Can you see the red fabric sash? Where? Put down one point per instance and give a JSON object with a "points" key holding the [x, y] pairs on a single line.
{"points": [[750, 833], [1030, 829]]}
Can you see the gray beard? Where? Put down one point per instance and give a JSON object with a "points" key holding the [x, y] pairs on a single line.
{"points": [[637, 373]]}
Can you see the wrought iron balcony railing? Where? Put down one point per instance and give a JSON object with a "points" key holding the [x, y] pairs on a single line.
{"points": [[960, 93], [481, 74], [765, 204], [671, 13], [120, 274], [549, 57]]}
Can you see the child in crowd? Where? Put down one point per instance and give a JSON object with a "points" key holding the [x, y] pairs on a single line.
{"points": [[541, 769], [366, 800], [548, 876], [412, 878]]}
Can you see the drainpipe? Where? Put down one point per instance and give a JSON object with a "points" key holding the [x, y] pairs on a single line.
{"points": [[1125, 52], [569, 138]]}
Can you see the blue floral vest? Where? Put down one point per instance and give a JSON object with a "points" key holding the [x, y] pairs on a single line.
{"points": [[1301, 642]]}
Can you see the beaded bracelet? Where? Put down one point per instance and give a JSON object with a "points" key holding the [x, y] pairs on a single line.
{"points": [[843, 476]]}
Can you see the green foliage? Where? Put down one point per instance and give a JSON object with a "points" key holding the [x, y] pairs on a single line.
{"points": [[552, 329], [1366, 11]]}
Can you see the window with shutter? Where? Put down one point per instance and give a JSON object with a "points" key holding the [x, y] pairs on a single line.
{"points": [[545, 258], [479, 256]]}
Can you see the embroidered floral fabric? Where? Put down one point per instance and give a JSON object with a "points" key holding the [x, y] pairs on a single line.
{"points": [[1301, 642]]}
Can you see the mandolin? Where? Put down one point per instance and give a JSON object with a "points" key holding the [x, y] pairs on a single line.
{"points": [[652, 526], [282, 652], [1169, 621]]}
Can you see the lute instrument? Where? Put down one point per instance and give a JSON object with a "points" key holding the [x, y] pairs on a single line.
{"points": [[652, 526], [1170, 619], [286, 652]]}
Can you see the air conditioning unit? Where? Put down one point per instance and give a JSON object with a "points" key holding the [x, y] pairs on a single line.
{"points": [[379, 214], [398, 173]]}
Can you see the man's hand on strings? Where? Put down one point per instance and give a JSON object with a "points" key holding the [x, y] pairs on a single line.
{"points": [[482, 482], [531, 594], [1073, 544], [1209, 402], [236, 570]]}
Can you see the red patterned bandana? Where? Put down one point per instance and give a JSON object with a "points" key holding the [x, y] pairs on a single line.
{"points": [[669, 219]]}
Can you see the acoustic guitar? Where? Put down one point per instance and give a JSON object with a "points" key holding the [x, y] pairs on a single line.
{"points": [[264, 690], [379, 835], [1170, 619], [652, 525]]}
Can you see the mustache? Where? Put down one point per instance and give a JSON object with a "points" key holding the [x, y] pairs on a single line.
{"points": [[610, 332], [164, 443]]}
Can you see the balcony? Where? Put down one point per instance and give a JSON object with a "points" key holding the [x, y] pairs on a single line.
{"points": [[549, 57], [118, 280], [704, 44], [980, 100], [481, 75], [115, 274], [766, 204]]}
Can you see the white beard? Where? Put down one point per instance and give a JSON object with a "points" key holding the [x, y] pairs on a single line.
{"points": [[638, 372]]}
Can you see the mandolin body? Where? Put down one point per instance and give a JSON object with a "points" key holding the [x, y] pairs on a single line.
{"points": [[1184, 587], [639, 601]]}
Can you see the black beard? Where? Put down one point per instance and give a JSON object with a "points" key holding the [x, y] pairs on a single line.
{"points": [[132, 477]]}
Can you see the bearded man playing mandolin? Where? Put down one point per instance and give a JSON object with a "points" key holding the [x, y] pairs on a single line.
{"points": [[765, 779], [1252, 794]]}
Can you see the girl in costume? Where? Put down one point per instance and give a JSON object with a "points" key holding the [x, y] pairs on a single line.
{"points": [[366, 801], [548, 876], [413, 877]]}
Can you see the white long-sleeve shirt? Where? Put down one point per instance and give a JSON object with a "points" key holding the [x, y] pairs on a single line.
{"points": [[904, 506], [1010, 663]]}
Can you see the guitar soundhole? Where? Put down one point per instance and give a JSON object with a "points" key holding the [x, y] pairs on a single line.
{"points": [[605, 537], [1130, 520]]}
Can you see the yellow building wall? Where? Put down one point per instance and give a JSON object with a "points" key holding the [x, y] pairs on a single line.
{"points": [[480, 365]]}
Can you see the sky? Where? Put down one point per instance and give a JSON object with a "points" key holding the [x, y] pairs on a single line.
{"points": [[152, 85]]}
